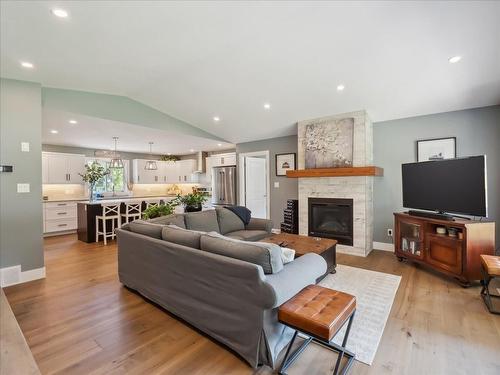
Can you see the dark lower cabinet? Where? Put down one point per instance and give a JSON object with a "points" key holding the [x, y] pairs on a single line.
{"points": [[449, 247]]}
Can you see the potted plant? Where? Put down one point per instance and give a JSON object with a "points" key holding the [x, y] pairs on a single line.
{"points": [[93, 173], [192, 202], [160, 210], [172, 158]]}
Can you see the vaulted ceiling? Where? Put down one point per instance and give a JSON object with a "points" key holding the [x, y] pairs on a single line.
{"points": [[196, 60]]}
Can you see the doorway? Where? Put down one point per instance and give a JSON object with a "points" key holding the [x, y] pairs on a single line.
{"points": [[254, 183]]}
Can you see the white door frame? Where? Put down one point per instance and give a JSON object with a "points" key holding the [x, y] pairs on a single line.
{"points": [[241, 179]]}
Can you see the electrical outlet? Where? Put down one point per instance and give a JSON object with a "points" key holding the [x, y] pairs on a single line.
{"points": [[277, 184], [389, 232]]}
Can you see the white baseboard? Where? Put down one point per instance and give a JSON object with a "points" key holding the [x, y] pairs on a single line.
{"points": [[13, 275], [383, 246]]}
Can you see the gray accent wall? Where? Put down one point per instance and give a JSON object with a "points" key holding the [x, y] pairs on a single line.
{"points": [[477, 131], [21, 213], [288, 186]]}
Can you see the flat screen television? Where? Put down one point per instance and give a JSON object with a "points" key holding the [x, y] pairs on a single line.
{"points": [[447, 186]]}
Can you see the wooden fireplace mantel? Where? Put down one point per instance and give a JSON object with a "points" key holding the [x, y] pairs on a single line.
{"points": [[336, 172]]}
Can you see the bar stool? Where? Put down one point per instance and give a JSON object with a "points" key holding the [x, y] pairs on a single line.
{"points": [[133, 210], [110, 211], [152, 203], [490, 267]]}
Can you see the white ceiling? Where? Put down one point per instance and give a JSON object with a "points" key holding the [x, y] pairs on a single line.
{"points": [[98, 133], [194, 60]]}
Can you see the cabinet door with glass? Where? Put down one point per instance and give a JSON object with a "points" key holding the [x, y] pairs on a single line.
{"points": [[410, 238]]}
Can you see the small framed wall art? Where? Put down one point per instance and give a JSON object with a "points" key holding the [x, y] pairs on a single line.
{"points": [[285, 162], [436, 149]]}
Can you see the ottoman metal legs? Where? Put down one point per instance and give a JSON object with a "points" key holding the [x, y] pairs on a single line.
{"points": [[341, 350]]}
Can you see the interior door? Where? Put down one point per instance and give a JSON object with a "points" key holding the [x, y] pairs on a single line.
{"points": [[256, 186]]}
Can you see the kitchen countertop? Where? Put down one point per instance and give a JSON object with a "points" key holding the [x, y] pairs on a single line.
{"points": [[110, 199]]}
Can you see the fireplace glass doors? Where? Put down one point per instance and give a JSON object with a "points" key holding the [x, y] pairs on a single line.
{"points": [[331, 218]]}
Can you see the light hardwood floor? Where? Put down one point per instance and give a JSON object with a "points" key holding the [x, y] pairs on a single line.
{"points": [[80, 320]]}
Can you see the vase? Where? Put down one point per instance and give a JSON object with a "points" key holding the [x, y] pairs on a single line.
{"points": [[92, 193], [195, 208]]}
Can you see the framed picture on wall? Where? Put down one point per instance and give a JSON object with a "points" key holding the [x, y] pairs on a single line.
{"points": [[437, 149], [285, 162]]}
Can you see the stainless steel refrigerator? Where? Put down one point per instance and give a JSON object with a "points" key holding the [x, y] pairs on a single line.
{"points": [[224, 186]]}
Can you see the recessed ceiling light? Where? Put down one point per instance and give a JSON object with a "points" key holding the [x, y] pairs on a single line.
{"points": [[73, 122], [454, 59], [216, 118], [53, 131], [58, 12], [340, 88], [267, 106], [219, 144], [27, 64]]}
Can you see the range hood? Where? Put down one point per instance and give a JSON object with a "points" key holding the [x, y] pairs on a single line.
{"points": [[201, 159]]}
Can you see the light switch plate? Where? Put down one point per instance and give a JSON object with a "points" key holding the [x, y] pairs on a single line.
{"points": [[276, 184], [23, 188], [25, 146]]}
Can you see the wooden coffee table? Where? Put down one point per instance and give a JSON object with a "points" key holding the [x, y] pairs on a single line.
{"points": [[303, 244]]}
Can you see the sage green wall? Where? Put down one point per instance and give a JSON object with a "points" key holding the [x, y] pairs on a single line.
{"points": [[478, 133], [117, 108], [21, 213], [288, 186]]}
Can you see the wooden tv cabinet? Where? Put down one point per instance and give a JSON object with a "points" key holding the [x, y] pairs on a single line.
{"points": [[416, 239]]}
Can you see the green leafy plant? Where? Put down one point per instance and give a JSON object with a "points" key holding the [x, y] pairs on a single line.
{"points": [[94, 172], [169, 158], [191, 200], [157, 211]]}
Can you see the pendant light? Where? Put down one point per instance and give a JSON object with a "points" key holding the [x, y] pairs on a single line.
{"points": [[151, 164], [116, 161]]}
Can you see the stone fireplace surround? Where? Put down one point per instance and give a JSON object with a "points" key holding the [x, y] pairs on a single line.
{"points": [[357, 188]]}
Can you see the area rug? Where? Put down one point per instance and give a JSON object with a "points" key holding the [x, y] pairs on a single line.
{"points": [[375, 292]]}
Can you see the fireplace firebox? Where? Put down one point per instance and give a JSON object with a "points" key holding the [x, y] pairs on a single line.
{"points": [[331, 218]]}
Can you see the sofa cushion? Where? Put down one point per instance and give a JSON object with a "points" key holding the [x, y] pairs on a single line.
{"points": [[248, 235], [205, 221], [175, 219], [146, 228], [180, 236], [266, 255], [228, 221]]}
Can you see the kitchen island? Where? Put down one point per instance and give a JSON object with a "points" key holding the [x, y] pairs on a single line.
{"points": [[87, 212]]}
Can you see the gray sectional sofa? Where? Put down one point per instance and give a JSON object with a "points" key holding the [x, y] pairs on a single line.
{"points": [[220, 282]]}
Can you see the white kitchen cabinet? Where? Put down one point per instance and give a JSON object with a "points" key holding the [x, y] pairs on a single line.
{"points": [[180, 172], [170, 172], [208, 170], [45, 169], [60, 168], [59, 217], [142, 175], [185, 171], [222, 160], [75, 165]]}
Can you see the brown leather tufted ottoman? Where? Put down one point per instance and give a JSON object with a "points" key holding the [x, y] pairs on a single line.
{"points": [[319, 313], [490, 265]]}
